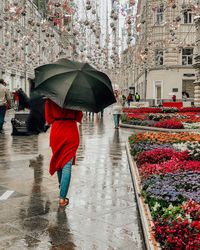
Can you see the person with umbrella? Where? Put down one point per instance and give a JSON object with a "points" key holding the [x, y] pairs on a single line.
{"points": [[70, 87], [64, 142]]}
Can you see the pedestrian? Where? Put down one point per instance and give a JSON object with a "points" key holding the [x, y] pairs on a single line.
{"points": [[174, 98], [123, 100], [117, 111], [16, 99], [23, 100], [101, 112], [184, 96], [64, 142], [5, 101], [36, 118], [137, 97], [129, 99], [91, 113]]}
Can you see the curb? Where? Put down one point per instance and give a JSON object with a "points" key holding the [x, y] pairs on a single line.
{"points": [[157, 129], [145, 215]]}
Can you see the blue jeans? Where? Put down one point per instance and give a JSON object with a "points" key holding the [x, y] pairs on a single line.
{"points": [[116, 119], [2, 116], [64, 177]]}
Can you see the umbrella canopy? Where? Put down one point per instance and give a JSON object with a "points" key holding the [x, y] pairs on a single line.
{"points": [[74, 85]]}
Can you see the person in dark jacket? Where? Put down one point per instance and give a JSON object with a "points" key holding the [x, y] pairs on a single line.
{"points": [[35, 122], [129, 99], [36, 119], [23, 100]]}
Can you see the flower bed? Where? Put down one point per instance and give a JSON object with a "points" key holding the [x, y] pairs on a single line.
{"points": [[161, 110], [170, 118], [142, 110], [169, 168], [162, 137]]}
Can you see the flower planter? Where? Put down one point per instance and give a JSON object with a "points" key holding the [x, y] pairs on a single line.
{"points": [[123, 125]]}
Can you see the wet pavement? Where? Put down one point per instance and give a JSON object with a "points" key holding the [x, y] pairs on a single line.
{"points": [[102, 213]]}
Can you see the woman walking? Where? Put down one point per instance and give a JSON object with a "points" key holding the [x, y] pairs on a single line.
{"points": [[117, 111], [64, 142]]}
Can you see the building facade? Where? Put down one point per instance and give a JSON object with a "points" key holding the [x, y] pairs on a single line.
{"points": [[126, 77], [27, 39], [164, 49]]}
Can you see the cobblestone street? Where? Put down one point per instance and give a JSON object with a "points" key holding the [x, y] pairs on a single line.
{"points": [[102, 213]]}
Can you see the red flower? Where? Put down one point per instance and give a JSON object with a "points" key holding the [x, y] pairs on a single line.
{"points": [[190, 109], [161, 155], [172, 166], [142, 110], [171, 123], [178, 234]]}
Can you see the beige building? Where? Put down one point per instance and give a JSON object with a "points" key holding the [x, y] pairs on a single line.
{"points": [[126, 78], [164, 49]]}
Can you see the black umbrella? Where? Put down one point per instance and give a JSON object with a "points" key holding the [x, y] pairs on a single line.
{"points": [[74, 85]]}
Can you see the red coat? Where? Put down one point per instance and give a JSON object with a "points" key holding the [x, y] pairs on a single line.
{"points": [[64, 135]]}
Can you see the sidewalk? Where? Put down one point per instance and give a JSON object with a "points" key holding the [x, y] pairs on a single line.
{"points": [[102, 213]]}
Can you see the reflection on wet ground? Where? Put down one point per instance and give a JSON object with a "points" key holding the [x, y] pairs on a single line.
{"points": [[29, 144], [102, 213]]}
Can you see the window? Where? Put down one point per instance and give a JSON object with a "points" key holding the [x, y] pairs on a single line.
{"points": [[187, 16], [159, 15], [187, 56], [159, 57]]}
